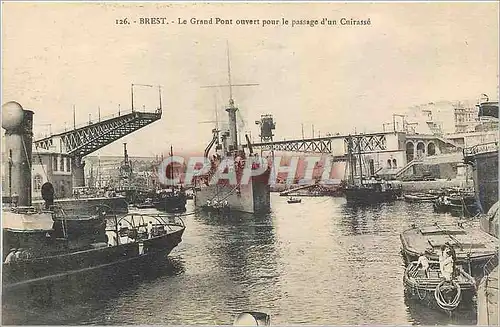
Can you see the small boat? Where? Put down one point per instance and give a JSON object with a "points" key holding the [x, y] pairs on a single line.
{"points": [[473, 246], [221, 206], [147, 204], [420, 197], [433, 290], [294, 200], [170, 200], [458, 204]]}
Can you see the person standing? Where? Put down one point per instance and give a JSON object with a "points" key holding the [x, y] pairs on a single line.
{"points": [[446, 263], [150, 230], [423, 264]]}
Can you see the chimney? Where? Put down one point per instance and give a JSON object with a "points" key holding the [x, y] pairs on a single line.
{"points": [[18, 125]]}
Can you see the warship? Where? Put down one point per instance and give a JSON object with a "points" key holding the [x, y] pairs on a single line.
{"points": [[242, 194]]}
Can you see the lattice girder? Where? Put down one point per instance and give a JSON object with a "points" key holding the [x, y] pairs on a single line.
{"points": [[85, 140]]}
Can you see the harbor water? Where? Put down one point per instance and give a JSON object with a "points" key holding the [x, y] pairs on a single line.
{"points": [[321, 261]]}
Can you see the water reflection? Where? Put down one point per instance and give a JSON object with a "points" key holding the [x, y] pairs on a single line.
{"points": [[245, 255], [322, 261], [420, 314]]}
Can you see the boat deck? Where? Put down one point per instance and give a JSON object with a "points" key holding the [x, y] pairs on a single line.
{"points": [[467, 240]]}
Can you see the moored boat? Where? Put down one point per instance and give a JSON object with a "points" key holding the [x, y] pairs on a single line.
{"points": [[146, 204], [44, 250], [430, 288], [171, 197], [294, 200], [372, 191], [457, 204], [361, 190], [419, 197], [473, 246]]}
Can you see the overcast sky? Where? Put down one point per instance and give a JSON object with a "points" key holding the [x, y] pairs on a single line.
{"points": [[338, 78]]}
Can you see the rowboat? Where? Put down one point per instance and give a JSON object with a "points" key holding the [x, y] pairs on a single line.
{"points": [[294, 200], [430, 288], [420, 197]]}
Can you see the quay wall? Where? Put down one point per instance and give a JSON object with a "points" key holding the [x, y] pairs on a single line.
{"points": [[424, 186], [411, 186]]}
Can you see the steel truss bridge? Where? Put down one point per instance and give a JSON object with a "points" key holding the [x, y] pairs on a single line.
{"points": [[84, 140], [359, 143]]}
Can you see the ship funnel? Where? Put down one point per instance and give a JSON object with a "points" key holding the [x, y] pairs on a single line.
{"points": [[18, 125], [233, 131]]}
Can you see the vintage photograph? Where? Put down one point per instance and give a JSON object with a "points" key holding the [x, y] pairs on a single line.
{"points": [[250, 163]]}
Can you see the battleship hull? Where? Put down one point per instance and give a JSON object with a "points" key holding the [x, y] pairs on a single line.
{"points": [[253, 197]]}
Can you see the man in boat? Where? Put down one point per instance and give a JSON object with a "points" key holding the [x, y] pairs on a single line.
{"points": [[453, 254], [423, 263], [11, 257], [446, 263], [150, 229]]}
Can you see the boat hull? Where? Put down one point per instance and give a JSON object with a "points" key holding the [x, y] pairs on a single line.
{"points": [[171, 203], [253, 197], [69, 269], [425, 295], [365, 195], [420, 197]]}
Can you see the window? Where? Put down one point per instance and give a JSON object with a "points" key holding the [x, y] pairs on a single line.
{"points": [[54, 163], [394, 163], [61, 163], [68, 164], [389, 164], [37, 182]]}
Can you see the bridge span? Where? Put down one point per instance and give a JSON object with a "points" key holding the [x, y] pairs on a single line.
{"points": [[83, 140], [384, 151]]}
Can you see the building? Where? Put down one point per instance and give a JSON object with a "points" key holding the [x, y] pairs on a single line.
{"points": [[441, 118], [466, 117], [51, 167]]}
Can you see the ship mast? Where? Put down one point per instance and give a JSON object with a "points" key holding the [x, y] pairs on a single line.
{"points": [[351, 162], [231, 109], [360, 163]]}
